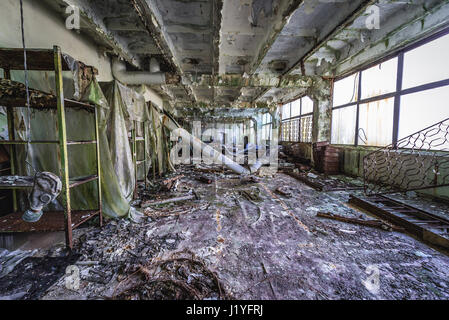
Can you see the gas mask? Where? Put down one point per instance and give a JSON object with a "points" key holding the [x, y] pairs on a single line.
{"points": [[46, 188]]}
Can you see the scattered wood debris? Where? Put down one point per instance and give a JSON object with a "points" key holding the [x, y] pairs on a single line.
{"points": [[370, 223], [170, 183], [170, 200], [285, 191], [204, 179]]}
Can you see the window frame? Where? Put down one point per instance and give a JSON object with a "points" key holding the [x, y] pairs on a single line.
{"points": [[299, 118], [397, 94]]}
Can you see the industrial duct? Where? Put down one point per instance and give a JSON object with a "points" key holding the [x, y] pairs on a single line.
{"points": [[137, 77]]}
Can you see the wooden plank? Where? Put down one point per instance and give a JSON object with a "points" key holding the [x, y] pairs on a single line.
{"points": [[37, 59], [50, 221]]}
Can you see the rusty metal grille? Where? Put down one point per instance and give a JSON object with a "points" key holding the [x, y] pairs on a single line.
{"points": [[419, 161]]}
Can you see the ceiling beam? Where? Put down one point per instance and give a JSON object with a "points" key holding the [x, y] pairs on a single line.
{"points": [[361, 9], [255, 81], [393, 36], [149, 20], [275, 31]]}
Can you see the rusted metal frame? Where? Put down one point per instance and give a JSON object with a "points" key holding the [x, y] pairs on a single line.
{"points": [[12, 149], [97, 146], [419, 231], [63, 154], [412, 210], [50, 221]]}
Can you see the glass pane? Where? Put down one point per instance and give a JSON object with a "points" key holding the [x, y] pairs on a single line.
{"points": [[286, 111], [345, 90], [306, 129], [296, 108], [427, 63], [307, 105], [423, 109], [294, 130], [343, 125], [376, 123], [380, 79]]}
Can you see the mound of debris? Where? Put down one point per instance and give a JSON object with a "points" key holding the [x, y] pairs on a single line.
{"points": [[174, 276]]}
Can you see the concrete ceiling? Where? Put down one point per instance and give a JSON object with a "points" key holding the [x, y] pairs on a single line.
{"points": [[239, 53]]}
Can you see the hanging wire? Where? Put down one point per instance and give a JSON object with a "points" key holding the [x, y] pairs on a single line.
{"points": [[28, 125]]}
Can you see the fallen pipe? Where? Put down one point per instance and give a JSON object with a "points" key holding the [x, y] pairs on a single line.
{"points": [[217, 156]]}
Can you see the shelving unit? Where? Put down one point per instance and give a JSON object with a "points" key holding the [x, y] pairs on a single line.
{"points": [[67, 220], [134, 140]]}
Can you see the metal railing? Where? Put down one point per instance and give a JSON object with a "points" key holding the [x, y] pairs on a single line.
{"points": [[419, 161]]}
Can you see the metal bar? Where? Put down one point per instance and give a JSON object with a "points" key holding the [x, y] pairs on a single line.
{"points": [[17, 142], [73, 143], [145, 153], [97, 138], [75, 182], [134, 151], [397, 99], [427, 86], [12, 149], [357, 120], [64, 168]]}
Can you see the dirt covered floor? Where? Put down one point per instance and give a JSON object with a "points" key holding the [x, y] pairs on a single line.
{"points": [[247, 239]]}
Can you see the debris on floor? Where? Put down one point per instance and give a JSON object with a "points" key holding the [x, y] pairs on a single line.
{"points": [[242, 239]]}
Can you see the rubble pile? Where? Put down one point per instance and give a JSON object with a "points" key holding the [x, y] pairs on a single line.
{"points": [[178, 275]]}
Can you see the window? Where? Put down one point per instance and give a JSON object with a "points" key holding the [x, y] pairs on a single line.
{"points": [[266, 126], [297, 118], [382, 104]]}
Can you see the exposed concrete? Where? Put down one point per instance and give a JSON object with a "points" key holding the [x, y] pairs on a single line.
{"points": [[321, 94]]}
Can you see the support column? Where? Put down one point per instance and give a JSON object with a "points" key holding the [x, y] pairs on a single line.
{"points": [[321, 94]]}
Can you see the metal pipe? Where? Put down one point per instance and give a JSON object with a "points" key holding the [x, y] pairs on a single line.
{"points": [[136, 77], [197, 144]]}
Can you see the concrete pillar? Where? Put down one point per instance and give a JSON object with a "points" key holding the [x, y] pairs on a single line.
{"points": [[321, 94]]}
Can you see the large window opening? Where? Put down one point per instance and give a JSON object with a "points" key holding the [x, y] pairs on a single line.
{"points": [[380, 105], [297, 118]]}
